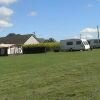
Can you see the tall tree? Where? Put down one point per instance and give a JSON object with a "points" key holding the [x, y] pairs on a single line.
{"points": [[50, 40]]}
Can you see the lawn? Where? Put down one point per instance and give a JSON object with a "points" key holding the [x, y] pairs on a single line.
{"points": [[51, 76]]}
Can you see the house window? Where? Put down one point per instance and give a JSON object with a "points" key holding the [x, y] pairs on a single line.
{"points": [[69, 43], [78, 42], [2, 51]]}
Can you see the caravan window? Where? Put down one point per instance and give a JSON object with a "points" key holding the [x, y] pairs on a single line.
{"points": [[85, 43], [69, 43], [88, 41], [78, 42], [95, 41]]}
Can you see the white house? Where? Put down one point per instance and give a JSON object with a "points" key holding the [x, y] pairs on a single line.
{"points": [[9, 49], [12, 44]]}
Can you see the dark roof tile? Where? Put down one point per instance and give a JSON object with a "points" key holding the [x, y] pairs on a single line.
{"points": [[17, 39]]}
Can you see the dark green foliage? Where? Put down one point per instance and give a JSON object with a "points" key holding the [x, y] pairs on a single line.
{"points": [[31, 50], [50, 40], [12, 34]]}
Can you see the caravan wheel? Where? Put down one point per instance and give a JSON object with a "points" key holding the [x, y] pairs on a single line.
{"points": [[70, 49]]}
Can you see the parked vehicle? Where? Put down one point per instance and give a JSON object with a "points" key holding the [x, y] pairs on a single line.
{"points": [[74, 44], [94, 43]]}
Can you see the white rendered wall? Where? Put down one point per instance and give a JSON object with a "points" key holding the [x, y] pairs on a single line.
{"points": [[31, 40], [15, 50]]}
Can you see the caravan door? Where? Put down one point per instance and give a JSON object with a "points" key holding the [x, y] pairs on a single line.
{"points": [[86, 44]]}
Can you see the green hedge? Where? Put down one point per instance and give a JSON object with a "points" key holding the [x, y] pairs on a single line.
{"points": [[47, 46]]}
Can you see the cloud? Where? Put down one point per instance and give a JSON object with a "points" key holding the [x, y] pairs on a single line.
{"points": [[5, 15], [90, 5], [5, 24], [97, 0], [89, 30], [33, 13], [89, 33], [7, 2], [5, 12], [87, 36]]}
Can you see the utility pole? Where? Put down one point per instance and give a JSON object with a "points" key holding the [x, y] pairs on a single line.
{"points": [[80, 36], [98, 33]]}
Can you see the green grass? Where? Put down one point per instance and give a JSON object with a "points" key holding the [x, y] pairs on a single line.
{"points": [[51, 76]]}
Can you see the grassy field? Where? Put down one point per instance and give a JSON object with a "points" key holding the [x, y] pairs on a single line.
{"points": [[51, 76]]}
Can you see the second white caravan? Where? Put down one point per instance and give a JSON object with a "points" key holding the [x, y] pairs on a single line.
{"points": [[74, 44]]}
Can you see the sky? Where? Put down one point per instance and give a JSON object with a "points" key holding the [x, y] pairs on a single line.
{"points": [[59, 19]]}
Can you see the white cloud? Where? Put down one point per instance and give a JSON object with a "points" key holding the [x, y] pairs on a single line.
{"points": [[97, 0], [5, 12], [5, 24], [75, 37], [5, 15], [89, 33], [90, 5], [89, 30], [33, 13], [7, 2], [88, 36]]}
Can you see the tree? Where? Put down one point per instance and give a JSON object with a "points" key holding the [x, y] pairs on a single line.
{"points": [[12, 34], [50, 40]]}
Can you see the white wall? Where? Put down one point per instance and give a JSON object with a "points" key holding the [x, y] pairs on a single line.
{"points": [[31, 40], [15, 50]]}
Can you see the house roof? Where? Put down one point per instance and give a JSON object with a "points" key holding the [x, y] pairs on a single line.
{"points": [[16, 39], [6, 45], [41, 40]]}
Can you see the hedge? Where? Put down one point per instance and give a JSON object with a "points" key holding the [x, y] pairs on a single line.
{"points": [[40, 48]]}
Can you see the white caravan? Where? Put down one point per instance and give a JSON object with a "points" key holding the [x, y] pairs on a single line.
{"points": [[94, 43], [74, 44]]}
